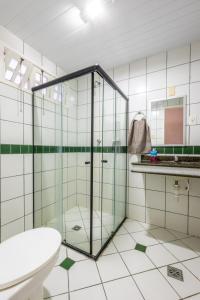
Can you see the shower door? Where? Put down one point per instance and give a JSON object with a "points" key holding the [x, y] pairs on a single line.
{"points": [[77, 162], [109, 180], [79, 128], [120, 171]]}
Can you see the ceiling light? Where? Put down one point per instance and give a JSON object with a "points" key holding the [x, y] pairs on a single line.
{"points": [[8, 75], [75, 17], [13, 64], [93, 10]]}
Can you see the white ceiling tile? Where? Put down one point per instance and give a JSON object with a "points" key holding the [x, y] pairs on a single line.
{"points": [[127, 31]]}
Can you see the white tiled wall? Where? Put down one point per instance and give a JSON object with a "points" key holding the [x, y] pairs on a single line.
{"points": [[16, 169], [149, 78], [151, 198], [16, 199]]}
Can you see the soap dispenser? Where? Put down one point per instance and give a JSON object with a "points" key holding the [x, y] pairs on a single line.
{"points": [[153, 155]]}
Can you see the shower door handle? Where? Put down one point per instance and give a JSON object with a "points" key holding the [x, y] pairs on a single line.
{"points": [[87, 162], [104, 161]]}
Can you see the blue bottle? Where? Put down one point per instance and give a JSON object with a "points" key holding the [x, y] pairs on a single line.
{"points": [[153, 155]]}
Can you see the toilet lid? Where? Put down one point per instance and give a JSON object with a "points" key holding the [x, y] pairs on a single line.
{"points": [[27, 253]]}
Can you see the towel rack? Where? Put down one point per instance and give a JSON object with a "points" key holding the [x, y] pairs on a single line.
{"points": [[139, 113]]}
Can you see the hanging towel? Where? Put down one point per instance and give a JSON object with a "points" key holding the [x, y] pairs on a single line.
{"points": [[139, 138]]}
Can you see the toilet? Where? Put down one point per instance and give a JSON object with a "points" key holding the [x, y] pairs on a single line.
{"points": [[25, 261]]}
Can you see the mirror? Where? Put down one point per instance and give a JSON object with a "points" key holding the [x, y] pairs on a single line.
{"points": [[167, 121]]}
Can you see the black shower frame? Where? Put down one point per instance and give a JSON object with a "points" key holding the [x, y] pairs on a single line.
{"points": [[89, 70]]}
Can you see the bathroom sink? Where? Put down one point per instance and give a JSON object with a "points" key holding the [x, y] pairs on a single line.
{"points": [[180, 164], [188, 167]]}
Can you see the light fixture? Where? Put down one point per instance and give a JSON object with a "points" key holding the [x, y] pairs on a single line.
{"points": [[93, 9], [8, 75], [13, 64]]}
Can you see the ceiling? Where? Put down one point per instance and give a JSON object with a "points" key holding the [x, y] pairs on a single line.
{"points": [[127, 30]]}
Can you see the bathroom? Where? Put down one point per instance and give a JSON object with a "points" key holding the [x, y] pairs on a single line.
{"points": [[84, 213]]}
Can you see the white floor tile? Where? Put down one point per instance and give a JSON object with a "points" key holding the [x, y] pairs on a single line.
{"points": [[124, 288], [132, 226], [110, 249], [137, 261], [154, 287], [83, 274], [180, 250], [194, 266], [124, 242], [75, 255], [111, 267], [94, 292], [148, 226], [188, 287], [160, 256], [163, 235], [122, 230], [144, 238], [56, 283], [193, 243]]}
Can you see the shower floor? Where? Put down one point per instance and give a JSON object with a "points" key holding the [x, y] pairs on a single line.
{"points": [[76, 228]]}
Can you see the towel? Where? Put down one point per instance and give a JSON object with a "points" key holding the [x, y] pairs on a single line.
{"points": [[139, 138]]}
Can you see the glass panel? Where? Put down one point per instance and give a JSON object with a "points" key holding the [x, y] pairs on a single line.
{"points": [[47, 160], [99, 233], [63, 165], [107, 162], [76, 179], [120, 160]]}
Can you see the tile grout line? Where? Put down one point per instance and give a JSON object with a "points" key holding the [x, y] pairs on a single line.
{"points": [[129, 272], [158, 268], [153, 269]]}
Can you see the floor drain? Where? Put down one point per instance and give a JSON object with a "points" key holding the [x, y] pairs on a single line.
{"points": [[76, 227], [175, 273]]}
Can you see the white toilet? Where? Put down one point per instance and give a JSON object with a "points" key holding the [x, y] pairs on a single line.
{"points": [[25, 261]]}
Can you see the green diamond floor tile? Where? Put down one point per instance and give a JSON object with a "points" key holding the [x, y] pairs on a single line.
{"points": [[140, 247], [67, 263]]}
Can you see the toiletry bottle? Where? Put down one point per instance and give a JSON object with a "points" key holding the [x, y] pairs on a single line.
{"points": [[153, 155]]}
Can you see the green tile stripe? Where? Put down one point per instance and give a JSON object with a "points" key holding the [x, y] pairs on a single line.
{"points": [[15, 149], [27, 149], [179, 150]]}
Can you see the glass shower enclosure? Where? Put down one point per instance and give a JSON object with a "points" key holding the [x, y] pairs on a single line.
{"points": [[80, 158]]}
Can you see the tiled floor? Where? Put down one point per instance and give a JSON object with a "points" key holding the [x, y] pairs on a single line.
{"points": [[80, 216], [124, 273]]}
